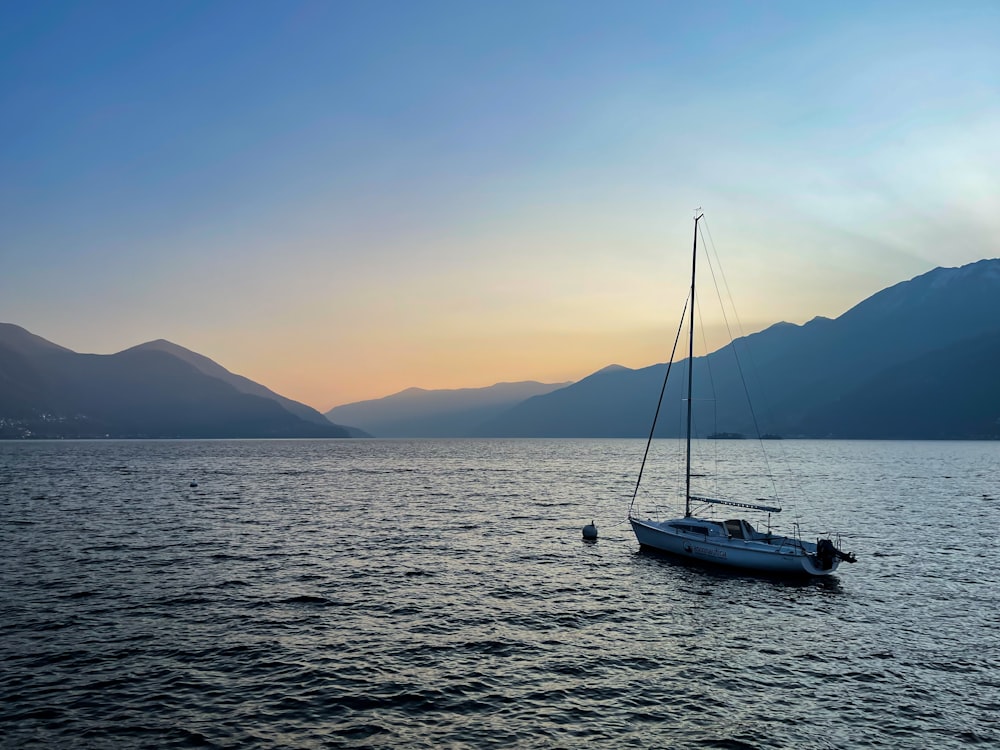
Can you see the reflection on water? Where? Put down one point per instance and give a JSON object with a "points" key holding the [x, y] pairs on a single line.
{"points": [[429, 593]]}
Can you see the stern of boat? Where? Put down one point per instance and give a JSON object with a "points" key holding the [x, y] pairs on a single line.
{"points": [[826, 558]]}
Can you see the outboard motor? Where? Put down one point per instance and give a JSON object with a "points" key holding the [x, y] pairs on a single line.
{"points": [[827, 552]]}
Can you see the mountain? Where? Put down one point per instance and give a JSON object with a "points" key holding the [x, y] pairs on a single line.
{"points": [[827, 359], [808, 379], [416, 412], [916, 360], [148, 391], [614, 402], [240, 383], [947, 394]]}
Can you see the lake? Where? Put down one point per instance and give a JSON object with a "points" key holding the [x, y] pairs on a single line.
{"points": [[429, 593]]}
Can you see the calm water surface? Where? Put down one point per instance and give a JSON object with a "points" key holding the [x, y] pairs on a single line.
{"points": [[438, 594]]}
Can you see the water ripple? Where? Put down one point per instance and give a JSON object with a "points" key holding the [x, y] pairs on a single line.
{"points": [[437, 593]]}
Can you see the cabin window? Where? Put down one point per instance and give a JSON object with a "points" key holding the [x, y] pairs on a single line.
{"points": [[691, 529], [734, 529]]}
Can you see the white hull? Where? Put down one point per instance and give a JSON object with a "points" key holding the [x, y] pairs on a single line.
{"points": [[767, 554]]}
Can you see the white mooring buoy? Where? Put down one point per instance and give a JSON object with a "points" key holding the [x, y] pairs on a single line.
{"points": [[590, 531]]}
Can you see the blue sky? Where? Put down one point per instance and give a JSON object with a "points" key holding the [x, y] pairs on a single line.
{"points": [[344, 199]]}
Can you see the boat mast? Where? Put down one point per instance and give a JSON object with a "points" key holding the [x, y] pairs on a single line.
{"points": [[687, 472]]}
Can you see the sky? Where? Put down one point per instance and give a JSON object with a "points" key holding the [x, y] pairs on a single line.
{"points": [[341, 200]]}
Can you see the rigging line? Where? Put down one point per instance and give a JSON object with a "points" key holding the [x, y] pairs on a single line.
{"points": [[714, 420], [711, 384], [732, 344], [659, 403], [790, 477]]}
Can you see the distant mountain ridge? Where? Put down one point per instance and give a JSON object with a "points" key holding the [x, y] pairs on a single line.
{"points": [[916, 360], [240, 383], [955, 390], [416, 412], [154, 390], [798, 374]]}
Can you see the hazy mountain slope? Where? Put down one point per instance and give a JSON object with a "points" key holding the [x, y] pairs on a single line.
{"points": [[930, 312], [621, 403], [242, 384], [947, 394], [17, 339], [790, 371], [416, 412], [22, 384], [609, 403], [50, 391], [152, 394], [879, 370]]}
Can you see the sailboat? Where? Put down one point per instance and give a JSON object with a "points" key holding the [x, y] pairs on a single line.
{"points": [[729, 542]]}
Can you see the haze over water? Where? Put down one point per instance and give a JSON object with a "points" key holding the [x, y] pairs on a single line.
{"points": [[437, 593]]}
